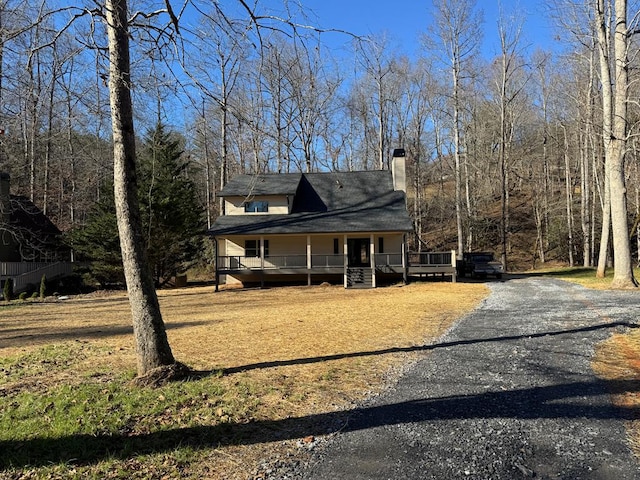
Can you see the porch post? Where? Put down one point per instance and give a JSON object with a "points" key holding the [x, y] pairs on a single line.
{"points": [[345, 256], [405, 266], [217, 260], [454, 264], [372, 254], [261, 261], [309, 260]]}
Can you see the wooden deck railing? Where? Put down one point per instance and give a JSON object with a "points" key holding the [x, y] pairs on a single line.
{"points": [[388, 259], [239, 262], [432, 259], [24, 274]]}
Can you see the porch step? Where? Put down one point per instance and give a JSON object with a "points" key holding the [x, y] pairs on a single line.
{"points": [[359, 278]]}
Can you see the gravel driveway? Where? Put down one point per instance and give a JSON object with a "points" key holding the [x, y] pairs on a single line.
{"points": [[508, 393]]}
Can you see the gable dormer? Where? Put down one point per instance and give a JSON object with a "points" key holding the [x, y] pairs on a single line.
{"points": [[268, 194]]}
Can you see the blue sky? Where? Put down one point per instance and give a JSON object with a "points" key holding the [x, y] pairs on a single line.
{"points": [[406, 20]]}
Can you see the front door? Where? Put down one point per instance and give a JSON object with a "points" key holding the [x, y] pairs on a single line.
{"points": [[359, 252]]}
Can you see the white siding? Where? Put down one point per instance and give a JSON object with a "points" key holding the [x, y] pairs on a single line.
{"points": [[287, 245], [323, 245], [278, 204], [297, 244], [391, 243], [234, 247], [278, 245]]}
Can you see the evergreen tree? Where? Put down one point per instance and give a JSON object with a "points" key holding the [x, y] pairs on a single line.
{"points": [[171, 216], [98, 242]]}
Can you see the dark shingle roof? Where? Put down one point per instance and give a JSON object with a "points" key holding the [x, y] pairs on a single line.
{"points": [[268, 184], [329, 203]]}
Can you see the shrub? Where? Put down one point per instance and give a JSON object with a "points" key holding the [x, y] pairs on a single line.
{"points": [[43, 286], [7, 290], [23, 296]]}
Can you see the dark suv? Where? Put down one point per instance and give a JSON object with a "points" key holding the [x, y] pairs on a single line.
{"points": [[479, 264]]}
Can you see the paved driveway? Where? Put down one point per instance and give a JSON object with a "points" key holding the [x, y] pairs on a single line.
{"points": [[508, 393]]}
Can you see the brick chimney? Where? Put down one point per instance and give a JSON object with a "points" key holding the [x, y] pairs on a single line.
{"points": [[398, 170]]}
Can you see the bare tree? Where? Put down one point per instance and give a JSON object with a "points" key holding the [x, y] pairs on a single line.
{"points": [[152, 346], [511, 83], [614, 106], [457, 31], [379, 70]]}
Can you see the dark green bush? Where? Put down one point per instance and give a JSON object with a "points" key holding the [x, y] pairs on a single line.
{"points": [[7, 290]]}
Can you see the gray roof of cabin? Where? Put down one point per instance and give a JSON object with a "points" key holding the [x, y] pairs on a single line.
{"points": [[324, 203], [269, 184]]}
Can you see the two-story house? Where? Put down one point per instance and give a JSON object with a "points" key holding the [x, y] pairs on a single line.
{"points": [[339, 227]]}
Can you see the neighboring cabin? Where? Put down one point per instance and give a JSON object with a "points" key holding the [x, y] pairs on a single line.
{"points": [[347, 228], [30, 243]]}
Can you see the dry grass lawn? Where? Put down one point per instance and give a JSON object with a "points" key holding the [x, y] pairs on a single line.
{"points": [[617, 358], [288, 352]]}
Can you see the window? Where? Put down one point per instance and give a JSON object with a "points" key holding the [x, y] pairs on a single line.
{"points": [[256, 206], [336, 246], [380, 245], [252, 248]]}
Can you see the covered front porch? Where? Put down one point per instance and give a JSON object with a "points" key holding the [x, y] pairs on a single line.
{"points": [[355, 260]]}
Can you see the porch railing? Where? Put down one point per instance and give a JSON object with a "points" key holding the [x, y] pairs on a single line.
{"points": [[435, 259], [388, 259], [285, 261], [13, 269], [239, 262], [319, 260], [26, 274]]}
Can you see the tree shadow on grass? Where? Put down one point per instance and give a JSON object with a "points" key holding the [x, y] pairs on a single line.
{"points": [[417, 348], [25, 336], [576, 400], [569, 400]]}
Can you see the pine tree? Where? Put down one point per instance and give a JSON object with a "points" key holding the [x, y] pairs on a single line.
{"points": [[172, 219], [171, 215]]}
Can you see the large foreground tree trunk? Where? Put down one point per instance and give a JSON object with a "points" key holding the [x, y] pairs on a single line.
{"points": [[152, 346], [622, 268]]}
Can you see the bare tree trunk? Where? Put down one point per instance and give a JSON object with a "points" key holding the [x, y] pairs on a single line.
{"points": [[607, 112], [32, 101], [606, 228], [568, 197], [49, 144], [508, 90], [622, 268], [457, 26], [637, 229], [152, 346], [542, 205], [207, 165], [470, 213], [585, 194], [381, 124], [458, 175], [224, 161]]}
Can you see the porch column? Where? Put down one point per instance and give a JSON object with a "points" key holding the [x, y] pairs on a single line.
{"points": [[454, 264], [405, 266], [261, 261], [372, 254], [309, 260], [261, 252], [345, 255], [217, 260]]}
